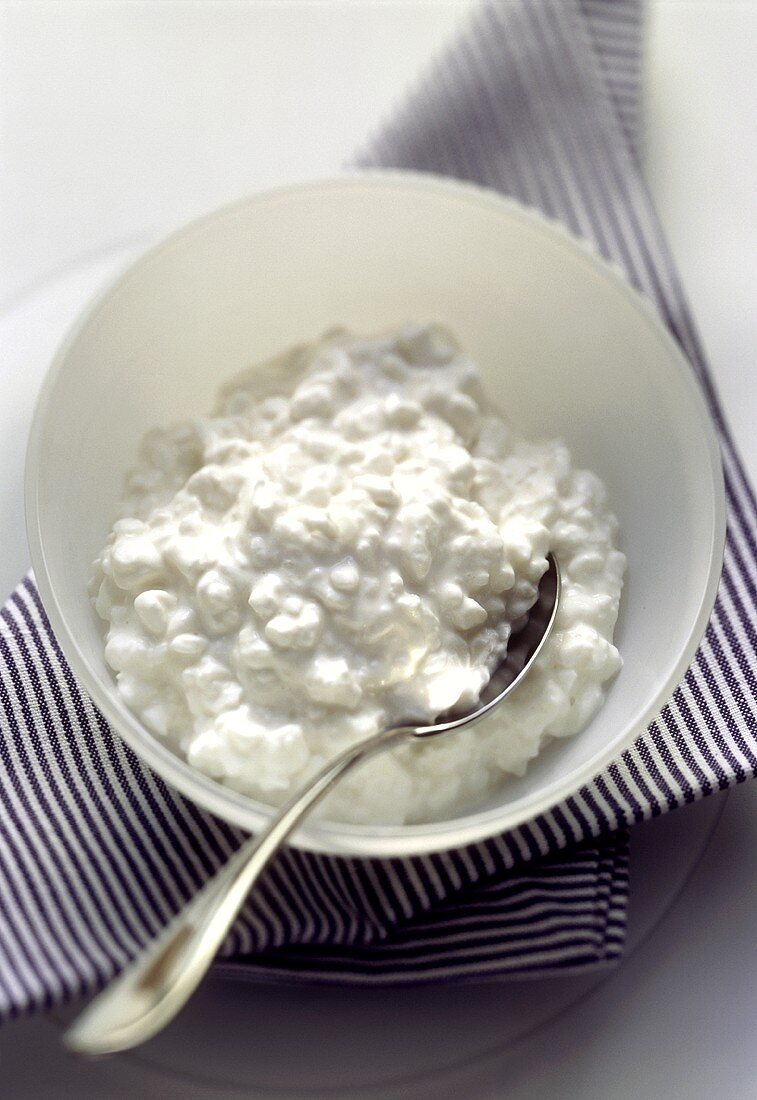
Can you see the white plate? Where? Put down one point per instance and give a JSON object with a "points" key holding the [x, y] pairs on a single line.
{"points": [[237, 1036]]}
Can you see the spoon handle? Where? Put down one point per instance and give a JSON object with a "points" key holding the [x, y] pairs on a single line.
{"points": [[158, 983]]}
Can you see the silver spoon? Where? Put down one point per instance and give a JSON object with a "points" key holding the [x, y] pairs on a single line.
{"points": [[153, 988]]}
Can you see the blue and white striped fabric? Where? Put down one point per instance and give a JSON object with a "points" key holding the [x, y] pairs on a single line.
{"points": [[538, 99]]}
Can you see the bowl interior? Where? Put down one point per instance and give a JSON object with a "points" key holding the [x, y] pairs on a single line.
{"points": [[566, 350]]}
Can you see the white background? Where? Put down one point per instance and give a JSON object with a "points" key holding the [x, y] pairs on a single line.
{"points": [[121, 120]]}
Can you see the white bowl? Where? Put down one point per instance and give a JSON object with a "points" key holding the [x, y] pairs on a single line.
{"points": [[566, 347]]}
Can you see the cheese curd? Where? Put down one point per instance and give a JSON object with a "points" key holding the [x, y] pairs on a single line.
{"points": [[346, 544]]}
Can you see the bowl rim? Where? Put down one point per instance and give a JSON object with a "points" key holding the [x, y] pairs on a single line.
{"points": [[334, 838]]}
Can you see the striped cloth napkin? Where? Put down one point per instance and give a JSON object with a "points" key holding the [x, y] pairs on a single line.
{"points": [[538, 99]]}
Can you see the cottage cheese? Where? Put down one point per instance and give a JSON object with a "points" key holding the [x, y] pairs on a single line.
{"points": [[347, 544]]}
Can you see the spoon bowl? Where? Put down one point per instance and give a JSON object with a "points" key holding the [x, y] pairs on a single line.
{"points": [[522, 650]]}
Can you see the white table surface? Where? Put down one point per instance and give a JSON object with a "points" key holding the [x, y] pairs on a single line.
{"points": [[120, 120]]}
